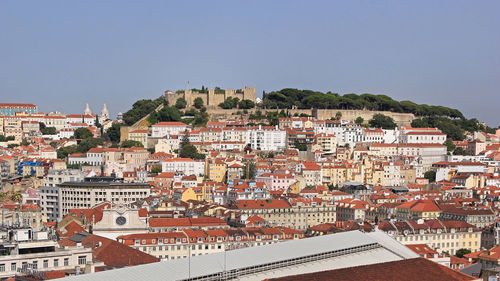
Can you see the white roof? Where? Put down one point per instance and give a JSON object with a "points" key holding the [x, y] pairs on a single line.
{"points": [[252, 256]]}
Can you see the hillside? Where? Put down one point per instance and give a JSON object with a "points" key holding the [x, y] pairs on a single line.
{"points": [[450, 121], [294, 98]]}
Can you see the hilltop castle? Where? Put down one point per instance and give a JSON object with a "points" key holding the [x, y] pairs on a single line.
{"points": [[211, 97]]}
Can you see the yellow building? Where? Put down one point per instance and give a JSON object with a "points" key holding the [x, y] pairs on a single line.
{"points": [[216, 170], [418, 209], [184, 194], [325, 142], [139, 135]]}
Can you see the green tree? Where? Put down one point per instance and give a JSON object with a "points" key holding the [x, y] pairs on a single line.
{"points": [[461, 252], [156, 169], [16, 197], [49, 131], [252, 171], [430, 175], [63, 152], [460, 151], [132, 143], [338, 115], [83, 133], [88, 143], [113, 132], [190, 151], [140, 109], [5, 139], [300, 146], [359, 120], [229, 103], [180, 103], [25, 142], [246, 104], [450, 145], [198, 102], [97, 124], [166, 114], [381, 121]]}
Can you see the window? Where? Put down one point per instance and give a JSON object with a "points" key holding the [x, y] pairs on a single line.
{"points": [[35, 265], [13, 266], [66, 261], [45, 263], [82, 260], [56, 262], [2, 267]]}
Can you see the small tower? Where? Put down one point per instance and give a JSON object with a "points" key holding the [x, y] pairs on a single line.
{"points": [[87, 110], [104, 113]]}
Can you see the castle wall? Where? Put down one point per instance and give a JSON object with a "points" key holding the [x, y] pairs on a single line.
{"points": [[211, 99], [402, 119]]}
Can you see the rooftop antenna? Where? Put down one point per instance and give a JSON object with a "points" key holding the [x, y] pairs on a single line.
{"points": [[187, 85]]}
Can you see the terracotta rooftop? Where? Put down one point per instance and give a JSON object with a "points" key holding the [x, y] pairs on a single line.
{"points": [[409, 270]]}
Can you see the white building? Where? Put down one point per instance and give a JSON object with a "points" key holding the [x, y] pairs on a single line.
{"points": [[25, 251], [49, 192], [421, 135], [96, 190], [429, 152], [266, 138], [186, 165], [163, 129]]}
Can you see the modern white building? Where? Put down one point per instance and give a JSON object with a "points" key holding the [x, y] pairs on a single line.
{"points": [[49, 192], [96, 190], [186, 165], [27, 251], [266, 138]]}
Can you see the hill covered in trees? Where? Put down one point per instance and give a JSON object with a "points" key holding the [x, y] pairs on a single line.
{"points": [[449, 120], [306, 99]]}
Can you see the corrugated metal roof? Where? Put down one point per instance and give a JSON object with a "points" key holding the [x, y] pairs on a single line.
{"points": [[246, 257]]}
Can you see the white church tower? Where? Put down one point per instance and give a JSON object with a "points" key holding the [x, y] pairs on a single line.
{"points": [[104, 113], [87, 110]]}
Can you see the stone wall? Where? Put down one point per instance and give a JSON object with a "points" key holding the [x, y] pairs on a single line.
{"points": [[211, 99], [402, 119]]}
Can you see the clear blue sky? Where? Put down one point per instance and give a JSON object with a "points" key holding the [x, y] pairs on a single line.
{"points": [[63, 54]]}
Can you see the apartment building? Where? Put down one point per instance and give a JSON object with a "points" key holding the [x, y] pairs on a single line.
{"points": [[299, 214], [267, 138], [443, 235], [194, 242], [162, 129], [96, 190], [187, 166]]}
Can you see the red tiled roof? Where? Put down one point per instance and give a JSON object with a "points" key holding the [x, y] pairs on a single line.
{"points": [[186, 222], [114, 253], [263, 204], [170, 124], [409, 270]]}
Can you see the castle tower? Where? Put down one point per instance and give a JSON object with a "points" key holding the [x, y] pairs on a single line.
{"points": [[104, 113], [87, 110]]}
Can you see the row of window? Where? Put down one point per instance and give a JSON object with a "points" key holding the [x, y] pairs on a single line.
{"points": [[82, 260]]}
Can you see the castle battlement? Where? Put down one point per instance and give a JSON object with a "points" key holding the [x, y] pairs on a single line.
{"points": [[211, 97]]}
